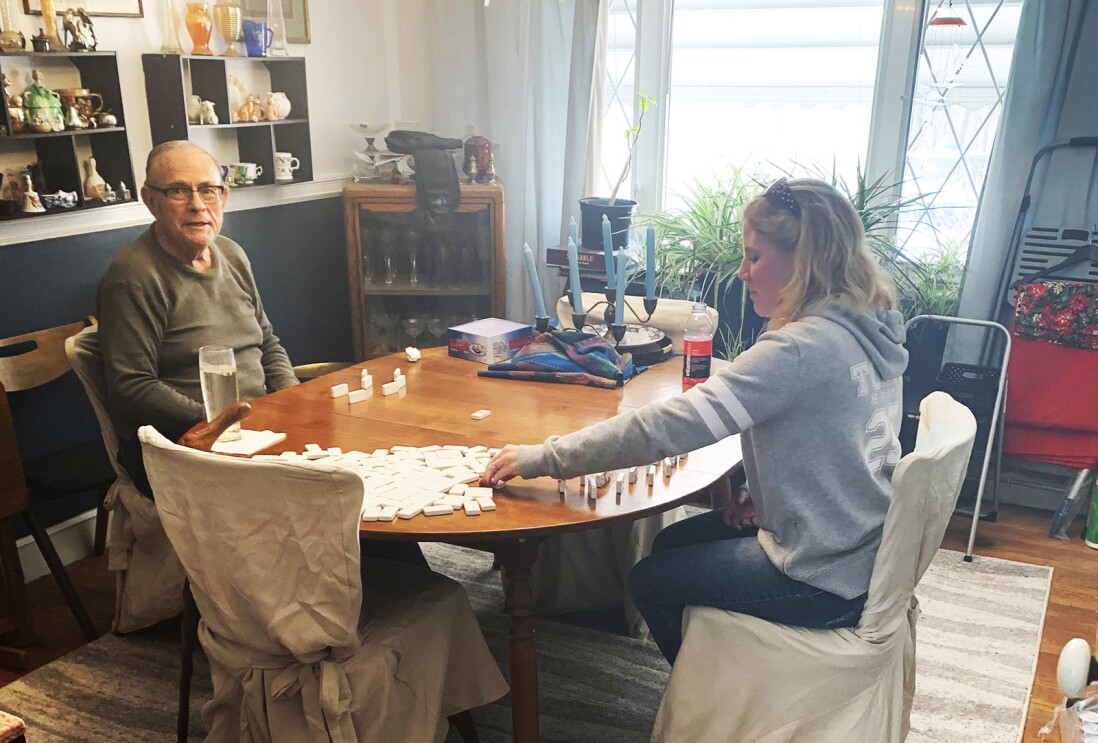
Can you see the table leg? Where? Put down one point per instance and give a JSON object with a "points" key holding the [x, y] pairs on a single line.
{"points": [[516, 558]]}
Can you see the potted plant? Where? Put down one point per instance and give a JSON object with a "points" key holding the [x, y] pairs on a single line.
{"points": [[618, 210], [699, 248]]}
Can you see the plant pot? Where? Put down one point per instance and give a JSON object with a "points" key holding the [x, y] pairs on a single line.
{"points": [[621, 219]]}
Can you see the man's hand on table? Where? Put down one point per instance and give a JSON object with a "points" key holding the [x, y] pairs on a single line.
{"points": [[502, 467]]}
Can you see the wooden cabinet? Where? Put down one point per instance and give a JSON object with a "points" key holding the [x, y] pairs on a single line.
{"points": [[413, 274], [171, 79], [61, 154]]}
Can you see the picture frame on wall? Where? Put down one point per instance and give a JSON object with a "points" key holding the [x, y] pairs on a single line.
{"points": [[296, 13], [119, 8]]}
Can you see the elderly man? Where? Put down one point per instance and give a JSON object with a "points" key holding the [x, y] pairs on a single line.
{"points": [[178, 287]]}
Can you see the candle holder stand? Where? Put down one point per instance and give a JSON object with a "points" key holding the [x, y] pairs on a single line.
{"points": [[618, 332], [648, 345]]}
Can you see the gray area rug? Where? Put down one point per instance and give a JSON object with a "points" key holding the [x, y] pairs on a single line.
{"points": [[978, 641]]}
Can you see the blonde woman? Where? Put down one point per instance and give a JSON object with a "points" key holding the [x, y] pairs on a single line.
{"points": [[817, 400]]}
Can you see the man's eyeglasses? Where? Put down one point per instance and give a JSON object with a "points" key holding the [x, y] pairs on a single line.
{"points": [[780, 195], [182, 194]]}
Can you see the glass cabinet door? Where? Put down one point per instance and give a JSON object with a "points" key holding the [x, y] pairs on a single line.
{"points": [[418, 273]]}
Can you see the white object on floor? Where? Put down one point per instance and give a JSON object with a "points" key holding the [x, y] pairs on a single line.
{"points": [[339, 390], [480, 415], [412, 353], [249, 442]]}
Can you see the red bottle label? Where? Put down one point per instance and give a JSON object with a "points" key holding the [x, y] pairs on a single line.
{"points": [[696, 361]]}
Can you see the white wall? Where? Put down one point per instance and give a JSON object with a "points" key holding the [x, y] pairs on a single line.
{"points": [[366, 63]]}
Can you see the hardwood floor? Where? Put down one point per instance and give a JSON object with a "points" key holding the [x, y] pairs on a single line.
{"points": [[1020, 534]]}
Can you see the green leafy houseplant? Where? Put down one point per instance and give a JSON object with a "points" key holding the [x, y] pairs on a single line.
{"points": [[700, 246]]}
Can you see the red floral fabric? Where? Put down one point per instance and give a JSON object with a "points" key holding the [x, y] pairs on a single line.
{"points": [[1061, 312]]}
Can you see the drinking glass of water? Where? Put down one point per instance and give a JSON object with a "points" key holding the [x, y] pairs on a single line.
{"points": [[217, 370]]}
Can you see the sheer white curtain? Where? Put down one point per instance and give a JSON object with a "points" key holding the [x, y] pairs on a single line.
{"points": [[520, 73], [1040, 108]]}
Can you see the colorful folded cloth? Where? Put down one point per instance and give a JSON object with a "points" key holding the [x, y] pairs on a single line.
{"points": [[566, 357], [1060, 312]]}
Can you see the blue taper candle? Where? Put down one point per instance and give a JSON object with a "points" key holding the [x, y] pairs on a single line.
{"points": [[532, 270], [573, 230], [574, 277], [619, 297], [608, 248], [650, 264]]}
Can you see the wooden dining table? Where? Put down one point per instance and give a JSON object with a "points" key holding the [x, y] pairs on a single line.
{"points": [[434, 408]]}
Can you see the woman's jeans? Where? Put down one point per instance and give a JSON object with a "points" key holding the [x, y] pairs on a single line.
{"points": [[702, 562]]}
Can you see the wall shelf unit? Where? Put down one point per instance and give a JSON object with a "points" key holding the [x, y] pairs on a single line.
{"points": [[170, 80], [457, 259], [61, 154]]}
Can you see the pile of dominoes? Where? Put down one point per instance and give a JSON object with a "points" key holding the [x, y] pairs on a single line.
{"points": [[407, 481]]}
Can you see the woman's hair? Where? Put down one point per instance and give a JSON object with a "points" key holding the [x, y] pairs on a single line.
{"points": [[816, 224]]}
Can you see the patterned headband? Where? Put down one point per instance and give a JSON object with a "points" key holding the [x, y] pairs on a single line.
{"points": [[780, 195]]}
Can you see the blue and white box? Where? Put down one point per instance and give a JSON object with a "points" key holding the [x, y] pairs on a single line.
{"points": [[488, 341]]}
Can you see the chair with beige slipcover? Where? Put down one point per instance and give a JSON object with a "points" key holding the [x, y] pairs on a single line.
{"points": [[148, 576], [303, 646], [740, 678]]}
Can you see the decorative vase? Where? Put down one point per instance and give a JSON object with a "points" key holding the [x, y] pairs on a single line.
{"points": [[94, 185], [49, 27], [230, 20], [278, 26], [10, 39], [169, 23], [200, 27]]}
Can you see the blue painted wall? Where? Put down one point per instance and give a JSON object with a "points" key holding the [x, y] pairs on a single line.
{"points": [[298, 257]]}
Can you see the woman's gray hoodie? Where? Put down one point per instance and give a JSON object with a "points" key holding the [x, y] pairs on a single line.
{"points": [[818, 403]]}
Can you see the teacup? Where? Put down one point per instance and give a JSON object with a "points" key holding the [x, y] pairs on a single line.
{"points": [[245, 173], [285, 165]]}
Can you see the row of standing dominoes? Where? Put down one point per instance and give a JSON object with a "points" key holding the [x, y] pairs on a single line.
{"points": [[406, 481], [590, 484], [367, 382]]}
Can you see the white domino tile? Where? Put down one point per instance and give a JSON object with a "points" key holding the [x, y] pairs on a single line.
{"points": [[357, 396], [339, 390]]}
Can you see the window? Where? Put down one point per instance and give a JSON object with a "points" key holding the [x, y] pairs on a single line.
{"points": [[959, 89], [768, 85]]}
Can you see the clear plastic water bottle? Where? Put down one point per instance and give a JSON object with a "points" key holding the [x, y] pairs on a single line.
{"points": [[697, 346]]}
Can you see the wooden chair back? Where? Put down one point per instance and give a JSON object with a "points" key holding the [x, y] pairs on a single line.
{"points": [[13, 490], [33, 359]]}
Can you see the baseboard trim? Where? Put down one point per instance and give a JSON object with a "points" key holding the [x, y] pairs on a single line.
{"points": [[73, 539]]}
